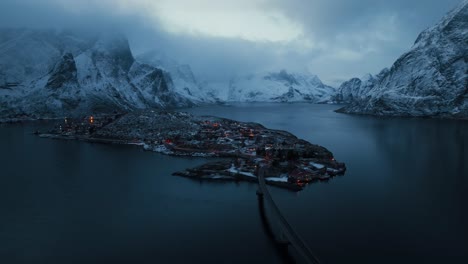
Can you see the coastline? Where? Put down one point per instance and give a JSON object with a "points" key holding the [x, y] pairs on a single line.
{"points": [[291, 163]]}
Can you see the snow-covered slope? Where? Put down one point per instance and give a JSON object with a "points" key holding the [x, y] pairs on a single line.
{"points": [[279, 87], [49, 74], [357, 89], [181, 75], [429, 80]]}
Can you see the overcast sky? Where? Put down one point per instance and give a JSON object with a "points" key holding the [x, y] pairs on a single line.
{"points": [[335, 39]]}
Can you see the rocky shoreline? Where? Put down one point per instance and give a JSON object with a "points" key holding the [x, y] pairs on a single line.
{"points": [[290, 162]]}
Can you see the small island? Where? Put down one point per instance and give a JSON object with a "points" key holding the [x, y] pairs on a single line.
{"points": [[288, 162]]}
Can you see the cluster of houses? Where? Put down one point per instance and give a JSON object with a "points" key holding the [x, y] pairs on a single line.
{"points": [[281, 152], [283, 155], [86, 125]]}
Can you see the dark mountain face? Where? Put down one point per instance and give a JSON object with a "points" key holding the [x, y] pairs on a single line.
{"points": [[347, 91], [178, 76], [282, 76], [64, 72]]}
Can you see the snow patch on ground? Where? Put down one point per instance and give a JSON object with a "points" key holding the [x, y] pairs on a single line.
{"points": [[317, 165], [277, 179], [234, 170], [162, 149], [220, 177]]}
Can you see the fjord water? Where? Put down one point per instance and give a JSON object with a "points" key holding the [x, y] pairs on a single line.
{"points": [[403, 199]]}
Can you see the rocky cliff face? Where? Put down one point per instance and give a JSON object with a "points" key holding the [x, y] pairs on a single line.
{"points": [[429, 80], [64, 73], [51, 74], [347, 91], [357, 88], [279, 87], [184, 81]]}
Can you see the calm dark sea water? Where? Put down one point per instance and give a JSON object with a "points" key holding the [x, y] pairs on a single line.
{"points": [[404, 198]]}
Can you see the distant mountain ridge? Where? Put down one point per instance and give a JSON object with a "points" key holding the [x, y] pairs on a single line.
{"points": [[45, 73], [429, 80], [279, 86]]}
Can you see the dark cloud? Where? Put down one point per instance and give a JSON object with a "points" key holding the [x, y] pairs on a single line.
{"points": [[341, 38]]}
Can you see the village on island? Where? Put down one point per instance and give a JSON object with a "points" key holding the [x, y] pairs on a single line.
{"points": [[287, 161]]}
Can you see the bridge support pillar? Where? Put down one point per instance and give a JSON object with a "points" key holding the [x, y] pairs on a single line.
{"points": [[283, 245], [259, 193]]}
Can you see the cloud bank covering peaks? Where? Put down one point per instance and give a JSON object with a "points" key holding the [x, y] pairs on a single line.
{"points": [[335, 39]]}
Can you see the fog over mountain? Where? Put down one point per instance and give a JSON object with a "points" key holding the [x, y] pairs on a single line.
{"points": [[64, 57], [47, 73], [334, 39]]}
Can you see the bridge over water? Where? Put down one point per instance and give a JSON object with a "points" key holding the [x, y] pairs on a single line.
{"points": [[287, 236]]}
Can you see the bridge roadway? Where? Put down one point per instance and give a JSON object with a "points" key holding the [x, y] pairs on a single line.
{"points": [[293, 239]]}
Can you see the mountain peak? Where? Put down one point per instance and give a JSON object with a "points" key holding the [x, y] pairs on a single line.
{"points": [[429, 80], [183, 79], [282, 86], [50, 74], [115, 45], [450, 24]]}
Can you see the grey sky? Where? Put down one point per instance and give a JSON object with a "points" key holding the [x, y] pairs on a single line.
{"points": [[335, 39]]}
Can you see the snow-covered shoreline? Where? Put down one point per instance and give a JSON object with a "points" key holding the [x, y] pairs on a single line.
{"points": [[245, 145]]}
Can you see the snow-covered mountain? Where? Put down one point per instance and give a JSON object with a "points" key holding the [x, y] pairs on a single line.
{"points": [[49, 73], [429, 80], [185, 82], [357, 88], [279, 87]]}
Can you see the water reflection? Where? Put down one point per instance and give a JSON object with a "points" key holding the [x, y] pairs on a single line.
{"points": [[404, 193], [402, 200]]}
